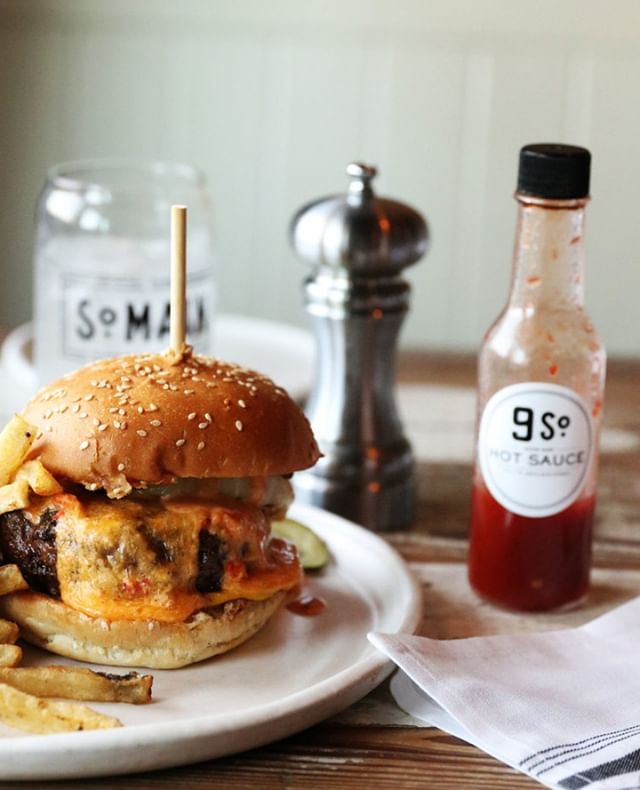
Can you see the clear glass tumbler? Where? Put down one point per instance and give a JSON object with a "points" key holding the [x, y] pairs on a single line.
{"points": [[101, 261]]}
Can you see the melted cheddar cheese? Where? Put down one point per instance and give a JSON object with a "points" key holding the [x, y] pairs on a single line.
{"points": [[136, 560]]}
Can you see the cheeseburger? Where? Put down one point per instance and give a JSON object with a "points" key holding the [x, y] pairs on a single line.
{"points": [[156, 550]]}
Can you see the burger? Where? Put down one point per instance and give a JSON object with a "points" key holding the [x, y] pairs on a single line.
{"points": [[156, 550]]}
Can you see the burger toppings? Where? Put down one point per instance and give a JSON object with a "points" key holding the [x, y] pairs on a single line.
{"points": [[158, 558]]}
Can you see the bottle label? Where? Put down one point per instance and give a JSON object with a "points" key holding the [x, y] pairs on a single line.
{"points": [[117, 315], [534, 447]]}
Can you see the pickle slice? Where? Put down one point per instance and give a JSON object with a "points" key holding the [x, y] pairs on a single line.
{"points": [[313, 551]]}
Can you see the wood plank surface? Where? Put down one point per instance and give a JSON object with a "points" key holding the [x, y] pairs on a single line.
{"points": [[375, 744]]}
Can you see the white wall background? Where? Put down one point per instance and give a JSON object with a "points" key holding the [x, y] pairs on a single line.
{"points": [[272, 99]]}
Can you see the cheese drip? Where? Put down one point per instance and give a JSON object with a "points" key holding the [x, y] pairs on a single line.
{"points": [[139, 561]]}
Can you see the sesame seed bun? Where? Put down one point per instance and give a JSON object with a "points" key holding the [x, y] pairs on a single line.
{"points": [[50, 624], [149, 419]]}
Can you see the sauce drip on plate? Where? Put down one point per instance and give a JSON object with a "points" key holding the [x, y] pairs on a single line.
{"points": [[307, 606]]}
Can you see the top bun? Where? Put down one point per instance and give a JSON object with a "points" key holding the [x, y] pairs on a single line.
{"points": [[148, 419]]}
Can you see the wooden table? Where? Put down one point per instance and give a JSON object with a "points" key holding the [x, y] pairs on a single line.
{"points": [[375, 745]]}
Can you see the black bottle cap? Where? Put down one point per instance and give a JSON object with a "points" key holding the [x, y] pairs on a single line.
{"points": [[554, 171]]}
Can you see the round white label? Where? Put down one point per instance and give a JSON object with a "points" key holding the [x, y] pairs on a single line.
{"points": [[534, 447]]}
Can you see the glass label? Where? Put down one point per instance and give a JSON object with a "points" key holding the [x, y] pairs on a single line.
{"points": [[125, 315]]}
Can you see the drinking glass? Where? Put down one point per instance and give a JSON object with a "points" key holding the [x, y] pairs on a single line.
{"points": [[101, 261]]}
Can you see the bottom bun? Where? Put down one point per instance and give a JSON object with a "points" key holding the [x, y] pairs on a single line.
{"points": [[50, 624]]}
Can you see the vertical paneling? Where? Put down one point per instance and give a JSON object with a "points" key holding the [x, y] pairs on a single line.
{"points": [[613, 282], [272, 264], [324, 135], [225, 86], [112, 90], [272, 104], [425, 133], [30, 73]]}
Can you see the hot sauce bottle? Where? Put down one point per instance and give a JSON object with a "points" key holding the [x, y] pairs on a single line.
{"points": [[541, 374]]}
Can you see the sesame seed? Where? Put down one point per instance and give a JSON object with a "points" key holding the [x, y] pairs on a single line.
{"points": [[113, 409], [116, 423], [63, 408], [73, 400], [207, 416], [180, 442], [84, 445], [122, 412], [83, 415], [242, 404], [152, 407], [121, 467], [155, 423], [103, 427], [187, 392], [96, 421], [94, 383], [90, 396], [200, 445], [141, 432], [140, 409], [192, 415], [203, 425], [239, 425]]}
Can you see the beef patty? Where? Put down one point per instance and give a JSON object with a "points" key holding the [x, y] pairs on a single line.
{"points": [[31, 546]]}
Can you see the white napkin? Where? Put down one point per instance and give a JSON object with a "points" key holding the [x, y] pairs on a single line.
{"points": [[561, 706]]}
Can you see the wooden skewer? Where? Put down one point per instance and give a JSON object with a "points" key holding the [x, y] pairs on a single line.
{"points": [[178, 279]]}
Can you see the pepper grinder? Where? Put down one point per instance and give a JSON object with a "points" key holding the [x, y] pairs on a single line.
{"points": [[358, 245]]}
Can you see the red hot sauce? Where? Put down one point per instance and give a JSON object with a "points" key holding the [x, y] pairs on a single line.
{"points": [[307, 606], [530, 563], [541, 372]]}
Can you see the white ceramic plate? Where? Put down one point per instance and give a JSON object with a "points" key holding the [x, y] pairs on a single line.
{"points": [[282, 351], [294, 673]]}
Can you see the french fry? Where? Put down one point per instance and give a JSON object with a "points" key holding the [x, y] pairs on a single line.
{"points": [[10, 656], [40, 480], [80, 684], [33, 714], [16, 439], [9, 632], [11, 579], [14, 496]]}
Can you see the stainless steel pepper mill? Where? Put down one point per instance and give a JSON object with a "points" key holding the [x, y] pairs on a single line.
{"points": [[357, 299]]}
